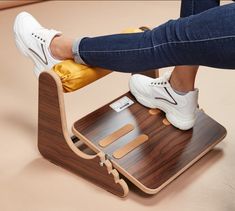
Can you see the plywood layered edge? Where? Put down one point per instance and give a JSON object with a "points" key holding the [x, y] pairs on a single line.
{"points": [[55, 144]]}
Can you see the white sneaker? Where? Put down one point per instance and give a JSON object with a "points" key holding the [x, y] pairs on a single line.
{"points": [[33, 41], [157, 93]]}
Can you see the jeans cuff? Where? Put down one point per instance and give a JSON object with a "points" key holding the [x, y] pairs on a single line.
{"points": [[75, 50]]}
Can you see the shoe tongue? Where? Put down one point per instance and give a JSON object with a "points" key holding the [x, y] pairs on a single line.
{"points": [[167, 75], [51, 34], [48, 34]]}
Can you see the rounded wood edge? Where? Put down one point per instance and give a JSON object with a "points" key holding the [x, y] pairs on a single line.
{"points": [[131, 178], [102, 144], [156, 190], [120, 182], [132, 145], [166, 122], [124, 186], [112, 171], [115, 174], [85, 140], [104, 161], [114, 136], [67, 138], [109, 166], [154, 111]]}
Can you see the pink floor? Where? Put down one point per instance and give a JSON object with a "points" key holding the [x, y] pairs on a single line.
{"points": [[29, 182]]}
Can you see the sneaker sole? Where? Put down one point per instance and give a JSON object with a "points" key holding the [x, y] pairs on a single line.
{"points": [[171, 114]]}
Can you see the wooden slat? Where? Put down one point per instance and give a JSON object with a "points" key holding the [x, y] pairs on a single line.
{"points": [[154, 111], [166, 122], [169, 151], [121, 152], [116, 135]]}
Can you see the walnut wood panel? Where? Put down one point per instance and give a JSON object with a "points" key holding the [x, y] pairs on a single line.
{"points": [[167, 153], [55, 144], [116, 135], [121, 152]]}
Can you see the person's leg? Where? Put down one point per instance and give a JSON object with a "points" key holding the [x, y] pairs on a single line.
{"points": [[203, 39], [183, 77], [207, 38], [192, 7], [61, 47]]}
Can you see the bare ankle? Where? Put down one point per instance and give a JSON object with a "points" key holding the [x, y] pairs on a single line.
{"points": [[183, 78], [176, 85], [61, 48], [54, 48], [180, 85]]}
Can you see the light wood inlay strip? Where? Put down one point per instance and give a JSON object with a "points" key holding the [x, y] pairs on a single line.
{"points": [[121, 152], [116, 135], [154, 111], [166, 122]]}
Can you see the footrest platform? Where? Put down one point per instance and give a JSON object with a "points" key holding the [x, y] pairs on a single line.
{"points": [[143, 146], [121, 138]]}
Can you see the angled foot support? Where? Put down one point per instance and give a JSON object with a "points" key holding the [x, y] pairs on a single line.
{"points": [[135, 142], [55, 144]]}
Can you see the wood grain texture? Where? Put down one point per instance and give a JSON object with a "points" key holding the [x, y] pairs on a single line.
{"points": [[166, 122], [116, 135], [121, 152], [168, 152], [153, 111], [55, 144]]}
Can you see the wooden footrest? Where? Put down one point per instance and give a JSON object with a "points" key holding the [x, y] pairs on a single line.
{"points": [[122, 137], [143, 146]]}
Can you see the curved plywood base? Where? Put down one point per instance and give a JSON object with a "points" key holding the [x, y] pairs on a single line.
{"points": [[55, 144], [154, 152], [136, 142]]}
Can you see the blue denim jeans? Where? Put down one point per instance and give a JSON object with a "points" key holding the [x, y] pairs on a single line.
{"points": [[203, 35]]}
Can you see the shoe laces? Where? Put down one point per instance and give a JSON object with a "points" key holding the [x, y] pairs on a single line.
{"points": [[162, 81], [158, 82], [38, 37], [40, 34]]}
